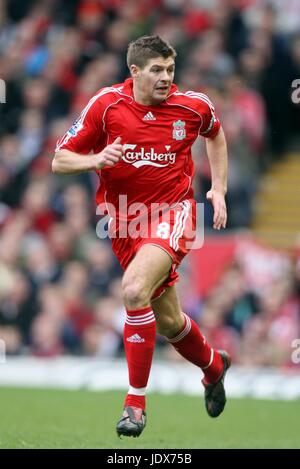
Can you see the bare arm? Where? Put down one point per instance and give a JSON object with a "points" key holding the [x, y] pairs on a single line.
{"points": [[68, 162], [218, 159]]}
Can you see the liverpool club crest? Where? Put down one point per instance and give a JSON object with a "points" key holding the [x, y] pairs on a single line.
{"points": [[179, 132]]}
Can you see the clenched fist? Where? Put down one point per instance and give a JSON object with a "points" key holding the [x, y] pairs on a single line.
{"points": [[110, 155]]}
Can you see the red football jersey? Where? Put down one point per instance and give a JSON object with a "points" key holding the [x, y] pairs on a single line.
{"points": [[157, 165]]}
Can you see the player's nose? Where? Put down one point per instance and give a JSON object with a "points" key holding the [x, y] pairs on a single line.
{"points": [[164, 76]]}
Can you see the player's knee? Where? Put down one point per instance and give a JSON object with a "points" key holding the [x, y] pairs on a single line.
{"points": [[135, 294]]}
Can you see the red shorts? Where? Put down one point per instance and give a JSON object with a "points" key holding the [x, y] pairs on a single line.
{"points": [[173, 231]]}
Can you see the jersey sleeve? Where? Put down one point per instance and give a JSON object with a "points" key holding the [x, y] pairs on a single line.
{"points": [[210, 122], [86, 131]]}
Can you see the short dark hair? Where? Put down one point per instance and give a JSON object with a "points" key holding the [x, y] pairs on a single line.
{"points": [[148, 47]]}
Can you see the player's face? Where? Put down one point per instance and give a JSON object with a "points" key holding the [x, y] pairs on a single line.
{"points": [[153, 82]]}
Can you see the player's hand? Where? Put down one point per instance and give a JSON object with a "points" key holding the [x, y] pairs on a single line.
{"points": [[110, 155], [217, 199]]}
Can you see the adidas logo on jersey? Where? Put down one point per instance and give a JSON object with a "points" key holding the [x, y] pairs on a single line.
{"points": [[135, 338], [149, 117]]}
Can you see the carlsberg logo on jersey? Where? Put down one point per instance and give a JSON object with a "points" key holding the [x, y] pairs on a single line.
{"points": [[147, 157]]}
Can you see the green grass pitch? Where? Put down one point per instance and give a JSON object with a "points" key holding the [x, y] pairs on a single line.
{"points": [[33, 418]]}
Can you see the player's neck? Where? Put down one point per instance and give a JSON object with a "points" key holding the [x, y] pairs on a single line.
{"points": [[142, 98]]}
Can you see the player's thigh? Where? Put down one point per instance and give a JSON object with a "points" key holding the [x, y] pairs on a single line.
{"points": [[149, 268], [167, 307]]}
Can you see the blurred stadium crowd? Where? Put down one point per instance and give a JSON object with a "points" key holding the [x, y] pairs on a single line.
{"points": [[60, 285]]}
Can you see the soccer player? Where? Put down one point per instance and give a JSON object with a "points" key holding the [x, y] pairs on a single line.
{"points": [[137, 136]]}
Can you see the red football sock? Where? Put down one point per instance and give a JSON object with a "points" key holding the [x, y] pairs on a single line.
{"points": [[139, 343], [192, 345]]}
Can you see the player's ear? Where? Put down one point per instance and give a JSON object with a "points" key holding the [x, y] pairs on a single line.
{"points": [[135, 71]]}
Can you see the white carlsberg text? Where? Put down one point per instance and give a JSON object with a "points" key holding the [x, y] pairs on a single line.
{"points": [[148, 157]]}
